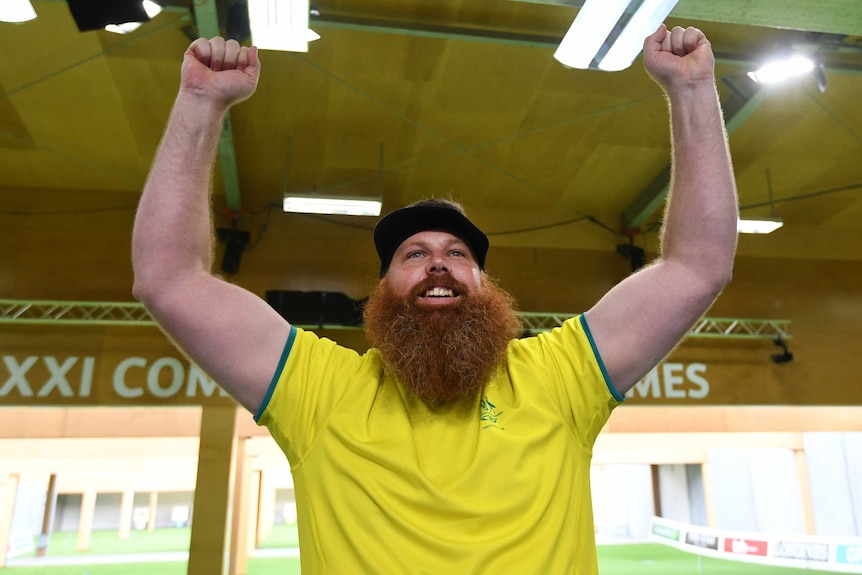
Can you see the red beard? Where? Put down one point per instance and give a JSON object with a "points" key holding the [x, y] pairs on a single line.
{"points": [[442, 353]]}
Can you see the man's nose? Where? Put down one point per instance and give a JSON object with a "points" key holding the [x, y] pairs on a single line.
{"points": [[437, 264]]}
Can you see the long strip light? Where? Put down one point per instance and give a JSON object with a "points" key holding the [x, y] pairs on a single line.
{"points": [[761, 226], [16, 11], [334, 205], [609, 34], [280, 25]]}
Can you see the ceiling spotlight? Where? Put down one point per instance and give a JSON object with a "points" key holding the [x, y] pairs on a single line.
{"points": [[779, 70], [784, 357], [819, 77], [16, 11], [761, 226]]}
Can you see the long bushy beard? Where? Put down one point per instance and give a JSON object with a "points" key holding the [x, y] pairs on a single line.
{"points": [[442, 353]]}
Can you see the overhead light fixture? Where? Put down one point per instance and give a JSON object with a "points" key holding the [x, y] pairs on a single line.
{"points": [[333, 205], [280, 25], [322, 203], [779, 70], [762, 226], [16, 11], [609, 34]]}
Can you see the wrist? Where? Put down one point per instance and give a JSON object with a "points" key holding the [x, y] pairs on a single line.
{"points": [[691, 89], [201, 102]]}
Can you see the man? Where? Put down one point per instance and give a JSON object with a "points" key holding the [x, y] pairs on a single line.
{"points": [[451, 446]]}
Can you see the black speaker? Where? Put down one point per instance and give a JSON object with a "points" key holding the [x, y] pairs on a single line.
{"points": [[316, 307], [234, 244]]}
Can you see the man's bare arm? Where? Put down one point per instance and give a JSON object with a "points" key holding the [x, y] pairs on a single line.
{"points": [[232, 334], [640, 320]]}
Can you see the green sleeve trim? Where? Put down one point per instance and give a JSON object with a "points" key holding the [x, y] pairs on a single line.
{"points": [[611, 388], [275, 377]]}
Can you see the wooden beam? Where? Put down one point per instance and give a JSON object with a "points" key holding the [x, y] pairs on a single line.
{"points": [[85, 522], [209, 551], [48, 516], [8, 491], [127, 504]]}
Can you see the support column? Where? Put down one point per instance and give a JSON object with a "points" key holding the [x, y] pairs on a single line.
{"points": [[708, 499], [8, 490], [48, 517], [804, 491], [209, 551], [151, 513], [265, 507], [241, 519], [656, 490], [85, 523], [253, 510], [127, 504]]}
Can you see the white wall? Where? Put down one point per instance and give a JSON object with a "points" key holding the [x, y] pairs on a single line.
{"points": [[756, 490], [673, 492], [834, 462], [622, 500]]}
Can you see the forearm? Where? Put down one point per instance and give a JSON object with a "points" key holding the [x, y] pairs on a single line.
{"points": [[172, 236], [700, 219]]}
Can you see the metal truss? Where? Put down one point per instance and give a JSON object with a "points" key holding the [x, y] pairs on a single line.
{"points": [[715, 327], [737, 328], [118, 313], [73, 313]]}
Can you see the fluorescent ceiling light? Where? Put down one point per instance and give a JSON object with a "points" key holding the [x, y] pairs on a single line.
{"points": [[778, 70], [151, 8], [343, 206], [609, 34], [763, 226], [16, 11], [280, 25], [125, 28]]}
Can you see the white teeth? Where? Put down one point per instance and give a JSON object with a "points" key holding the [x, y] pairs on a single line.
{"points": [[439, 292]]}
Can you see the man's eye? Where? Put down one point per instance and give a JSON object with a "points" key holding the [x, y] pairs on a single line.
{"points": [[457, 253], [414, 255]]}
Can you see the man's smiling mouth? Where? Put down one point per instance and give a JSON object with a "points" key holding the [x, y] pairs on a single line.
{"points": [[439, 292]]}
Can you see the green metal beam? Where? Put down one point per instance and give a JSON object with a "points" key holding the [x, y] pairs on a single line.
{"points": [[833, 16], [206, 18]]}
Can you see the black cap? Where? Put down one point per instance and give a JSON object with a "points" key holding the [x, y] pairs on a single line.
{"points": [[391, 231]]}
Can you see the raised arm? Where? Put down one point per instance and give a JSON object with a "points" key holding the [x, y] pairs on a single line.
{"points": [[232, 334], [638, 322]]}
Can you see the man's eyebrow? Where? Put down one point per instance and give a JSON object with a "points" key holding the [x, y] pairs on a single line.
{"points": [[412, 244], [424, 244]]}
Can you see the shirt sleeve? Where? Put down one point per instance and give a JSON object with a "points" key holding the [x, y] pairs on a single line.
{"points": [[309, 381], [567, 361]]}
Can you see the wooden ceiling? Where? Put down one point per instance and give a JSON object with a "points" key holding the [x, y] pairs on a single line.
{"points": [[455, 97]]}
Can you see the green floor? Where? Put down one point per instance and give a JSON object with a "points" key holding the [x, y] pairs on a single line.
{"points": [[632, 559]]}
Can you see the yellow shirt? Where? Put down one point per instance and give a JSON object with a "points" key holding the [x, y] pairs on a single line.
{"points": [[386, 484]]}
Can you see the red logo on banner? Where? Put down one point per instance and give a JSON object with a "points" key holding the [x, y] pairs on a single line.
{"points": [[745, 546]]}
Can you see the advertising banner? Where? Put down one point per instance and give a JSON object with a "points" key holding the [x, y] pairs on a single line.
{"points": [[839, 554]]}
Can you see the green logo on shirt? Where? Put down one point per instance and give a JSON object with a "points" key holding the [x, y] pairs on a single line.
{"points": [[489, 414]]}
